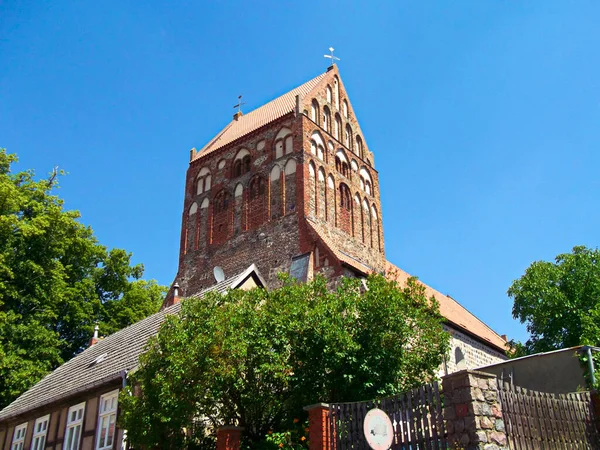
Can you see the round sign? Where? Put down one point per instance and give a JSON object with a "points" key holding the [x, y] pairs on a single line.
{"points": [[378, 430]]}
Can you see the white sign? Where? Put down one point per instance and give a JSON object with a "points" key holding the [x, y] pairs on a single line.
{"points": [[378, 430]]}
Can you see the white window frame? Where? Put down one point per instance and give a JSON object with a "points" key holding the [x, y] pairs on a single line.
{"points": [[72, 425], [38, 440], [107, 413], [19, 437]]}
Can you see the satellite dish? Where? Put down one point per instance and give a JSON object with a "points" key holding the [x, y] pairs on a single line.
{"points": [[219, 274]]}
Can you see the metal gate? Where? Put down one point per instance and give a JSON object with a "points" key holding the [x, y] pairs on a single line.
{"points": [[416, 417], [539, 420]]}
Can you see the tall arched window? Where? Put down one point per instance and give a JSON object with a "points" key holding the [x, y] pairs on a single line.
{"points": [[337, 126], [326, 119], [314, 111], [257, 188], [203, 181], [348, 137], [328, 94], [359, 147], [345, 197], [221, 202], [336, 92], [345, 108]]}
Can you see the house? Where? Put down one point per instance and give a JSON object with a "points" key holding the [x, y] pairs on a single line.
{"points": [[76, 406]]}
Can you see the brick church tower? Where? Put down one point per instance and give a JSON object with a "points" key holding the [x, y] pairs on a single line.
{"points": [[290, 187]]}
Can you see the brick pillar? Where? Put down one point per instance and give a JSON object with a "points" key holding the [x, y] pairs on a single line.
{"points": [[318, 423], [229, 438], [473, 412]]}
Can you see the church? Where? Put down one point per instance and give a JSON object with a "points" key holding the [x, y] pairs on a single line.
{"points": [[289, 187]]}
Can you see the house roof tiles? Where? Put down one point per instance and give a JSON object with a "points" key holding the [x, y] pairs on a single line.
{"points": [[119, 352]]}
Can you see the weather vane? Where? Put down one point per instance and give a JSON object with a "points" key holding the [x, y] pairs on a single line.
{"points": [[239, 105], [333, 58]]}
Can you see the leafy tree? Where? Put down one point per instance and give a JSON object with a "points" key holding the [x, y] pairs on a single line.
{"points": [[560, 301], [56, 282], [255, 358]]}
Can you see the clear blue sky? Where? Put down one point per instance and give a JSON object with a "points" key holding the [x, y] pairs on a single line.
{"points": [[483, 117]]}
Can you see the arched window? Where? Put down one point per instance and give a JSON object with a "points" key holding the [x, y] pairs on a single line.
{"points": [[348, 137], [326, 119], [336, 92], [337, 126], [221, 202], [314, 111], [242, 163], [283, 143], [328, 94], [237, 168], [203, 181], [345, 197], [359, 147], [341, 164], [345, 108], [257, 188], [366, 184]]}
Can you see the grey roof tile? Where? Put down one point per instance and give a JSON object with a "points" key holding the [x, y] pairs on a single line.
{"points": [[122, 350]]}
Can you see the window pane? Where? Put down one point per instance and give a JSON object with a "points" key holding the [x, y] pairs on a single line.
{"points": [[69, 439], [111, 430], [102, 432], [75, 445]]}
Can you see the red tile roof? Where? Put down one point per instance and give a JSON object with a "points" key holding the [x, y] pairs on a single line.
{"points": [[453, 311], [259, 117]]}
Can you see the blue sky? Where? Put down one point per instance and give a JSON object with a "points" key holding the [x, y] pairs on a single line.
{"points": [[483, 117]]}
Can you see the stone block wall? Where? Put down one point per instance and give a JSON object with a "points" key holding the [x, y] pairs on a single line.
{"points": [[473, 412], [474, 353]]}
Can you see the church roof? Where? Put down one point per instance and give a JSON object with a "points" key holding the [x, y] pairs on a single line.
{"points": [[259, 117], [454, 312], [108, 360]]}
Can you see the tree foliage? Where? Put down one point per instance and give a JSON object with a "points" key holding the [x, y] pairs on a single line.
{"points": [[559, 301], [56, 282], [255, 358]]}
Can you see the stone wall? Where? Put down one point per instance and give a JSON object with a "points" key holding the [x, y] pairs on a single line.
{"points": [[475, 353], [473, 412]]}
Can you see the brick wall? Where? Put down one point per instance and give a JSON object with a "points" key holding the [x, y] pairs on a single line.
{"points": [[236, 228]]}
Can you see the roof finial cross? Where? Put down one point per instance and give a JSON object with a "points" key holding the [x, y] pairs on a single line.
{"points": [[239, 105], [333, 58]]}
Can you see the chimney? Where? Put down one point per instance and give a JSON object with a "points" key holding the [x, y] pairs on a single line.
{"points": [[176, 293], [298, 105], [95, 339], [237, 115], [193, 153]]}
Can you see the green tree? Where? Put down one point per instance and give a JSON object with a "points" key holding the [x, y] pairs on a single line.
{"points": [[255, 358], [559, 301], [56, 281]]}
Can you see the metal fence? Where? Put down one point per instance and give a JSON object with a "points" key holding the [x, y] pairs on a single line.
{"points": [[416, 416], [538, 420]]}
